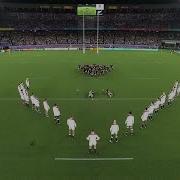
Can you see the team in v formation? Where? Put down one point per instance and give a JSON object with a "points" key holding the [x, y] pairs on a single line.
{"points": [[93, 138], [160, 103], [35, 102]]}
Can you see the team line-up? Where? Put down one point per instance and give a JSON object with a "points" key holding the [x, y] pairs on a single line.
{"points": [[93, 138]]}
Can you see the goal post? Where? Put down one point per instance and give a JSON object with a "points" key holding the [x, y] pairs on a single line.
{"points": [[84, 47], [99, 10], [90, 10]]}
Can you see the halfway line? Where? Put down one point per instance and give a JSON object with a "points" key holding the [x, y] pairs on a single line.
{"points": [[88, 99]]}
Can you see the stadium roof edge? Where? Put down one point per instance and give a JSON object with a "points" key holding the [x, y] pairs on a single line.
{"points": [[23, 5], [119, 6]]}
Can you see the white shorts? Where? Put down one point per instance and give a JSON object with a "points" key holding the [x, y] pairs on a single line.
{"points": [[114, 133], [144, 119], [72, 128], [92, 144]]}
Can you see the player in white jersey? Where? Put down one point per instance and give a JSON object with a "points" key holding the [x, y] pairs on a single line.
{"points": [[56, 113], [46, 107], [129, 124], [26, 97], [157, 105], [178, 90], [174, 91], [32, 98], [27, 83], [23, 94], [151, 110], [37, 104], [162, 100], [176, 85], [93, 138], [144, 118], [72, 126], [20, 90], [21, 85], [114, 129], [171, 96]]}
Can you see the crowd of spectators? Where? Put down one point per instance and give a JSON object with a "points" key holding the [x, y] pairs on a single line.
{"points": [[129, 19], [110, 38], [126, 27]]}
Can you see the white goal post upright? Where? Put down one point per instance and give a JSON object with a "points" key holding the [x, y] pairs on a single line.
{"points": [[97, 48], [99, 10], [84, 48]]}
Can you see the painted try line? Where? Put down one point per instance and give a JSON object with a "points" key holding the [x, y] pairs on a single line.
{"points": [[93, 159]]}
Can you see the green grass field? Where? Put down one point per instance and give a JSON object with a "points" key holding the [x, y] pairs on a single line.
{"points": [[137, 79]]}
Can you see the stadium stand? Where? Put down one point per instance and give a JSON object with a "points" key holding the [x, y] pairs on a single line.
{"points": [[119, 27]]}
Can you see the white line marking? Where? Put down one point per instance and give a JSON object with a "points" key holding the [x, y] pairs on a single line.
{"points": [[81, 99], [40, 77], [98, 99], [144, 78], [88, 99], [93, 159]]}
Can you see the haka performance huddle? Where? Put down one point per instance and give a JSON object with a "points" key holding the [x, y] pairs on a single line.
{"points": [[95, 70], [93, 138]]}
